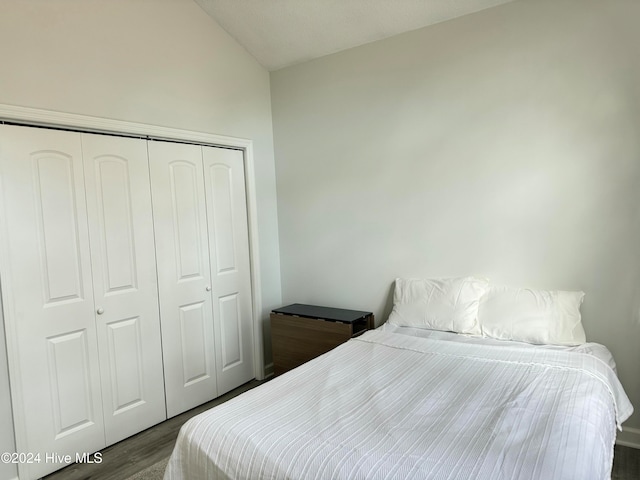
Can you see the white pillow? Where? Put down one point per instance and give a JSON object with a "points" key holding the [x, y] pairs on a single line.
{"points": [[448, 304], [532, 316]]}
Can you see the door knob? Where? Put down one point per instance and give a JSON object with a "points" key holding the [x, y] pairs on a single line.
{"points": [[207, 288], [100, 310]]}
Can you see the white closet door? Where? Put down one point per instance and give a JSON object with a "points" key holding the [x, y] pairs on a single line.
{"points": [[230, 265], [125, 283], [186, 316], [47, 296]]}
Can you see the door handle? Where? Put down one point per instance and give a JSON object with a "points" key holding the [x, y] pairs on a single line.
{"points": [[100, 311]]}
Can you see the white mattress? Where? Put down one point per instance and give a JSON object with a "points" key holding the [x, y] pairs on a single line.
{"points": [[393, 406]]}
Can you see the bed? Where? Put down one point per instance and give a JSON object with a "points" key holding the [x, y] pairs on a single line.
{"points": [[401, 402]]}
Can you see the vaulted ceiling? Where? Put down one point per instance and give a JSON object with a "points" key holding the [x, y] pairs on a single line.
{"points": [[279, 33]]}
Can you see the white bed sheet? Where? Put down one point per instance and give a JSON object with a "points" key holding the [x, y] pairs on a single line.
{"points": [[590, 348], [393, 406]]}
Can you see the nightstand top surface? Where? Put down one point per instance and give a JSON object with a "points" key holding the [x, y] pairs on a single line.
{"points": [[326, 313]]}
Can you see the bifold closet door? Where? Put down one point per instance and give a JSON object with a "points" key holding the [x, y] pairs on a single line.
{"points": [[230, 265], [182, 251], [124, 283], [48, 296], [79, 291]]}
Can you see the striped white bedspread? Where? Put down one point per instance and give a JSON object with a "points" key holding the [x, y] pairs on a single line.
{"points": [[391, 406]]}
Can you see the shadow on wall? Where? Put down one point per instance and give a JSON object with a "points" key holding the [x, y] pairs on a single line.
{"points": [[388, 305]]}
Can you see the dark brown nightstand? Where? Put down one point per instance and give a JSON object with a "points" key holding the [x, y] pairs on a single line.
{"points": [[302, 332]]}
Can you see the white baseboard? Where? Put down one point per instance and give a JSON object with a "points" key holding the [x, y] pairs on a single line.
{"points": [[629, 437], [268, 370]]}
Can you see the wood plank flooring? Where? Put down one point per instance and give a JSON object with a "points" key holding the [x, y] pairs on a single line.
{"points": [[146, 448], [626, 463]]}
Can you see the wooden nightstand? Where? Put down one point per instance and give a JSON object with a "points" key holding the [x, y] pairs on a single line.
{"points": [[302, 332]]}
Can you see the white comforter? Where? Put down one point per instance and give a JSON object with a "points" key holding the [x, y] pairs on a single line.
{"points": [[392, 406]]}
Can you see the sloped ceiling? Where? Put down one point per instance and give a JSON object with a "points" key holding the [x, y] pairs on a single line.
{"points": [[279, 33]]}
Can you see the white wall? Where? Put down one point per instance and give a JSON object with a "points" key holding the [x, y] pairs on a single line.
{"points": [[160, 62], [503, 143]]}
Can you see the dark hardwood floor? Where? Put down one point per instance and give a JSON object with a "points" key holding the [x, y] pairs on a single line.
{"points": [[136, 453], [626, 463]]}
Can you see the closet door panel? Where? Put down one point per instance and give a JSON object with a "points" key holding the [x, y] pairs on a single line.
{"points": [[48, 296], [183, 272], [230, 265], [125, 283]]}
